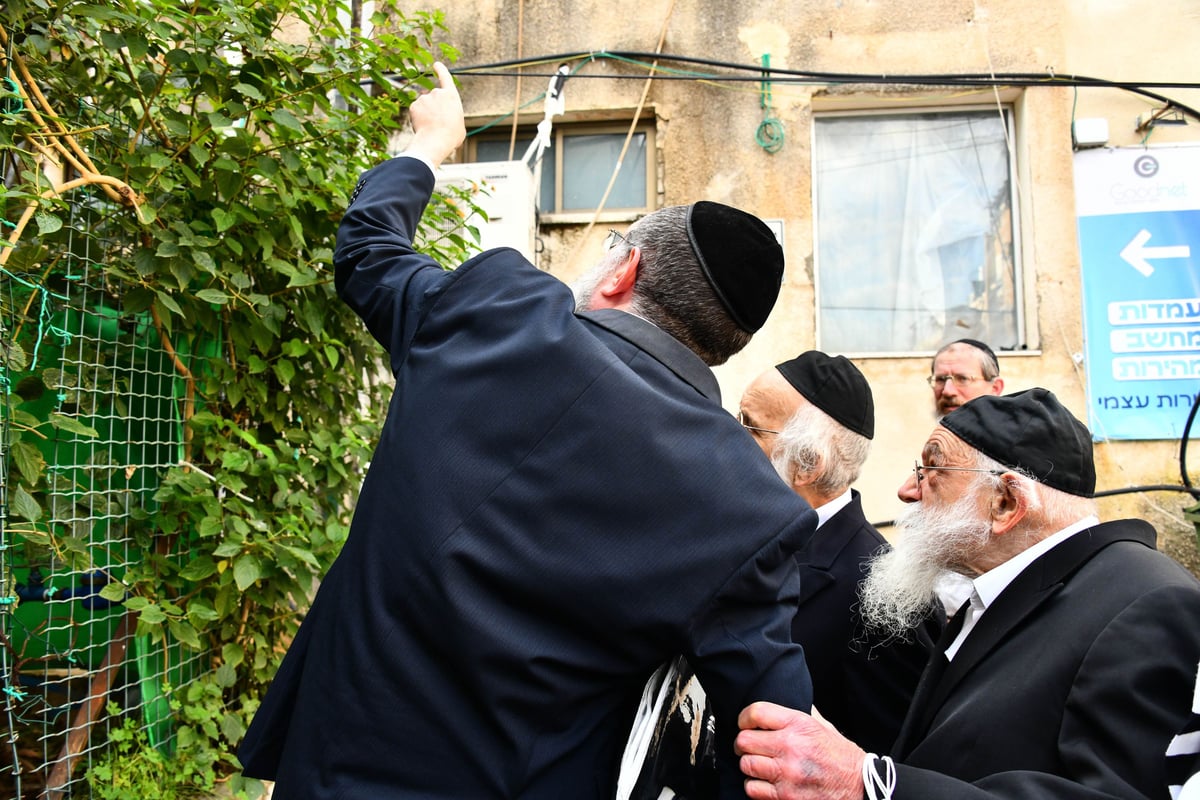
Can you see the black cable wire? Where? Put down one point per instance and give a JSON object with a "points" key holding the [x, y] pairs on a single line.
{"points": [[1157, 487], [1183, 443], [801, 76]]}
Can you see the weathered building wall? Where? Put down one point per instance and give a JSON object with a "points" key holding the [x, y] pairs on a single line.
{"points": [[706, 148]]}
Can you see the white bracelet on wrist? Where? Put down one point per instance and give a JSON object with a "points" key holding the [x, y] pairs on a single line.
{"points": [[878, 787]]}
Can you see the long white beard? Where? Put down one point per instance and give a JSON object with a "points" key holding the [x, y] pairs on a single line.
{"points": [[898, 591]]}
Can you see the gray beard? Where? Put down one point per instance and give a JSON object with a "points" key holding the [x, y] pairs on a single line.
{"points": [[585, 287], [899, 590]]}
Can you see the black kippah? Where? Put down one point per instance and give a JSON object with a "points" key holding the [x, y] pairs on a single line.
{"points": [[1030, 431], [834, 385], [741, 259], [978, 345]]}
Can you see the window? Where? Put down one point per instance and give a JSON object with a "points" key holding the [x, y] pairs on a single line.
{"points": [[915, 231], [579, 163]]}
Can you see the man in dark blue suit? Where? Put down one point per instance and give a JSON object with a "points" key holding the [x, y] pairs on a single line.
{"points": [[557, 504], [1068, 671], [814, 417]]}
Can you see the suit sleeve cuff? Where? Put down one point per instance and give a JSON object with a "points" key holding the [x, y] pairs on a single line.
{"points": [[420, 158]]}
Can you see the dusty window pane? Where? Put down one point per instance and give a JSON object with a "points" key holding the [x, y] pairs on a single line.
{"points": [[588, 162], [914, 232]]}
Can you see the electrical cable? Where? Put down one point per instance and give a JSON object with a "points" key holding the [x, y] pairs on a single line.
{"points": [[1183, 443], [803, 76]]}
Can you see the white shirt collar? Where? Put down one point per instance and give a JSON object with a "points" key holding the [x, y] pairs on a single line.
{"points": [[832, 507], [990, 584]]}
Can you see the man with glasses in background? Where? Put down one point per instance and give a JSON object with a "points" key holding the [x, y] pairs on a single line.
{"points": [[962, 370], [1067, 674]]}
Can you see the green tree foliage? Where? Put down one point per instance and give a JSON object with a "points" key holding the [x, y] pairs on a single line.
{"points": [[234, 132]]}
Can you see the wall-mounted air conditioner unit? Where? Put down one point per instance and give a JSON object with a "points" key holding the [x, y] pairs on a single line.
{"points": [[504, 190]]}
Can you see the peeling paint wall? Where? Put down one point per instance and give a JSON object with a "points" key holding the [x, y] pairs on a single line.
{"points": [[706, 148]]}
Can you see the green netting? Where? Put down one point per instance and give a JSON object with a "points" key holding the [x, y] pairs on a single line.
{"points": [[70, 352]]}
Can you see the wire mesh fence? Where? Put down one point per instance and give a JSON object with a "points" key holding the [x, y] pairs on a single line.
{"points": [[72, 665]]}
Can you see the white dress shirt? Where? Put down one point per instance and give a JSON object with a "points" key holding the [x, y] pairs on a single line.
{"points": [[988, 586]]}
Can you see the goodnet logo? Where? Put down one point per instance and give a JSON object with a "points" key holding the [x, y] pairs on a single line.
{"points": [[1145, 166]]}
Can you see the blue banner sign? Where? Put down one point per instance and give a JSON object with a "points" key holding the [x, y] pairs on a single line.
{"points": [[1139, 238]]}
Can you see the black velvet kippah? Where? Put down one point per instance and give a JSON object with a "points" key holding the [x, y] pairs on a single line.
{"points": [[978, 345], [834, 385], [1031, 431], [741, 259]]}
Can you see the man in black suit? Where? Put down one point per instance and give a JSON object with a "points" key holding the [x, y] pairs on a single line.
{"points": [[1066, 674], [558, 503], [814, 417]]}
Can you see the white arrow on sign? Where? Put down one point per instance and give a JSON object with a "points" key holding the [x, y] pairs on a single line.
{"points": [[1137, 254]]}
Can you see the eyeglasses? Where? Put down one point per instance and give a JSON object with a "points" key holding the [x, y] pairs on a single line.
{"points": [[959, 381], [918, 466], [613, 239], [741, 417]]}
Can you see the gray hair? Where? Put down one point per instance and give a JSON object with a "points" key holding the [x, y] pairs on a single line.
{"points": [[672, 291], [989, 367], [812, 439]]}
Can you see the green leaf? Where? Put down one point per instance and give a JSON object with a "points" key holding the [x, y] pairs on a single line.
{"points": [[152, 615], [213, 296], [200, 610], [232, 728], [294, 348], [285, 371], [224, 219], [246, 570], [29, 461], [183, 632], [287, 119], [198, 154], [145, 261], [247, 90], [229, 183], [233, 653], [198, 569], [169, 303], [210, 527], [136, 603], [228, 549], [235, 460], [72, 425], [302, 555], [21, 504], [112, 40], [226, 676], [47, 223], [114, 592]]}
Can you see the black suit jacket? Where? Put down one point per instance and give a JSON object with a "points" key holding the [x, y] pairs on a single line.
{"points": [[1071, 684], [861, 683], [557, 505]]}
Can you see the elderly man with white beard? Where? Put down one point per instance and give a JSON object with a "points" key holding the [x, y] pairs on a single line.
{"points": [[1069, 670]]}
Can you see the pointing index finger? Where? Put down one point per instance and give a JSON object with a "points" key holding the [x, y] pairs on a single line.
{"points": [[443, 75]]}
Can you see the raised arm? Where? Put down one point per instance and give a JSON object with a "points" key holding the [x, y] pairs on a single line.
{"points": [[437, 119], [377, 271]]}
